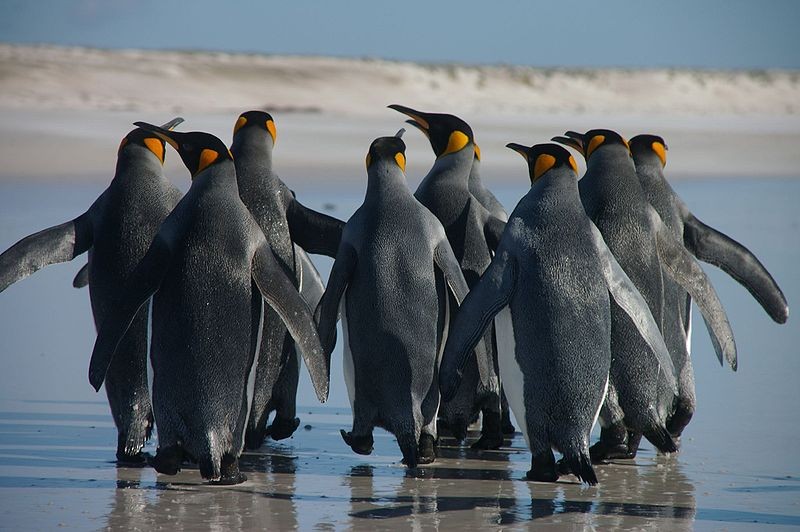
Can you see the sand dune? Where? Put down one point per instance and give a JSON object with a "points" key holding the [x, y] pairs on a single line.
{"points": [[79, 102]]}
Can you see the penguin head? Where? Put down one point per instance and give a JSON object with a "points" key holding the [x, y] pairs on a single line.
{"points": [[588, 143], [542, 158], [646, 148], [150, 141], [256, 122], [446, 133], [198, 150], [387, 152]]}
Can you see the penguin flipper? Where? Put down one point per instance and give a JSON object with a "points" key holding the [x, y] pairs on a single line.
{"points": [[315, 232], [82, 277], [493, 231], [281, 294], [310, 281], [56, 244], [446, 261], [138, 289], [488, 297], [714, 247], [327, 312], [684, 269], [628, 298]]}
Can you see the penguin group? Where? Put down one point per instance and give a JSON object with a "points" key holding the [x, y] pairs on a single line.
{"points": [[572, 309]]}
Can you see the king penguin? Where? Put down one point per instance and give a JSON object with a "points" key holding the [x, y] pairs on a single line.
{"points": [[550, 282], [473, 233], [207, 270], [283, 220], [638, 401], [390, 283], [116, 230], [707, 244]]}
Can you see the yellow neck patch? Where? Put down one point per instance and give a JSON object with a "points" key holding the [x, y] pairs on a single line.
{"points": [[595, 143], [272, 131], [456, 142], [400, 159], [573, 164], [240, 122], [544, 163], [155, 146], [207, 157], [661, 151], [477, 152]]}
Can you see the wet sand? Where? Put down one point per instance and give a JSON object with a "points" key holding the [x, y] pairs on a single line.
{"points": [[738, 468]]}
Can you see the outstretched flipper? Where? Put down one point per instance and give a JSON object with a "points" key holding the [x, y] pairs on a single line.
{"points": [[684, 269], [713, 247], [448, 264], [82, 277], [281, 294], [327, 312], [493, 231], [628, 298], [141, 285], [492, 292], [56, 244], [311, 285], [316, 232]]}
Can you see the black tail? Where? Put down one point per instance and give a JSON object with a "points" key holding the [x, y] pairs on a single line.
{"points": [[580, 465], [662, 439]]}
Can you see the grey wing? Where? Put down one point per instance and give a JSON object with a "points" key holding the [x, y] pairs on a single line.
{"points": [[311, 286], [492, 292], [714, 247], [56, 244], [493, 231], [314, 231], [140, 286], [628, 298], [327, 313], [280, 293], [82, 277], [682, 267]]}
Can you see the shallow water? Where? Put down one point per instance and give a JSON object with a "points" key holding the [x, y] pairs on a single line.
{"points": [[738, 467]]}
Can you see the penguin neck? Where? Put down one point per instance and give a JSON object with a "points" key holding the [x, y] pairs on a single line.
{"points": [[453, 168], [475, 176], [221, 176], [253, 160], [137, 163], [611, 170], [385, 180], [253, 149], [650, 172]]}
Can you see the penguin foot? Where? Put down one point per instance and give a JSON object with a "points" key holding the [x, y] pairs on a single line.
{"points": [[229, 473], [254, 438], [280, 429], [488, 442], [132, 460], [359, 444], [508, 428], [426, 449], [601, 451], [167, 460], [543, 468], [542, 476]]}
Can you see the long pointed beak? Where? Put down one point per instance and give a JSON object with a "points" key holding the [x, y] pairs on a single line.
{"points": [[519, 148], [572, 143], [400, 132], [172, 124], [415, 115], [164, 134]]}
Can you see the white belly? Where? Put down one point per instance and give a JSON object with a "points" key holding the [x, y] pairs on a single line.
{"points": [[510, 372], [251, 377], [347, 356], [149, 362], [689, 332]]}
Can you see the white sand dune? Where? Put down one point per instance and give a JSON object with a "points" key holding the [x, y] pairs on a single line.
{"points": [[77, 103]]}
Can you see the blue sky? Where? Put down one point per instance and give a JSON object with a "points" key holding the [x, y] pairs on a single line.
{"points": [[646, 33]]}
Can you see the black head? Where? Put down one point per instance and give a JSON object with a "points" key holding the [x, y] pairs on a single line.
{"points": [[197, 149], [545, 157], [256, 119], [643, 146], [391, 149], [588, 142], [446, 133], [149, 140]]}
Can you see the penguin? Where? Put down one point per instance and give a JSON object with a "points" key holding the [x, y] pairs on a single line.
{"points": [[473, 233], [549, 283], [390, 283], [638, 401], [207, 274], [116, 231], [483, 194], [707, 244], [283, 220]]}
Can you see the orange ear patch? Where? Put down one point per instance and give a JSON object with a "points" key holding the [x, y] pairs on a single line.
{"points": [[155, 146], [240, 122], [544, 163], [272, 131], [207, 157], [477, 152], [595, 143], [573, 164], [400, 159], [661, 151], [456, 142]]}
